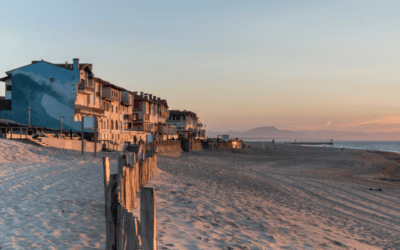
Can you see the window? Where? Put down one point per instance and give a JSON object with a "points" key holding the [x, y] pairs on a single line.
{"points": [[88, 100], [8, 87], [112, 108], [112, 124], [116, 109]]}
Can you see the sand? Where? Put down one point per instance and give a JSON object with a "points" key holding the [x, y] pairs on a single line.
{"points": [[290, 198]]}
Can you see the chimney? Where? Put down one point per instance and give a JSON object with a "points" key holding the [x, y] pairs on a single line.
{"points": [[150, 96], [141, 93], [76, 64], [154, 98], [158, 98], [66, 64]]}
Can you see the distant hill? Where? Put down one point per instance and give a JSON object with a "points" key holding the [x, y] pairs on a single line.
{"points": [[271, 132]]}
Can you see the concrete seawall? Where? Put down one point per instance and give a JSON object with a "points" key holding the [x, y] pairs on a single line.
{"points": [[166, 148], [70, 144]]}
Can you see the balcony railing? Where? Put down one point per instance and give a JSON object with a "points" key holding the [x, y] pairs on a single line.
{"points": [[132, 117], [146, 117], [89, 110], [85, 89], [164, 114]]}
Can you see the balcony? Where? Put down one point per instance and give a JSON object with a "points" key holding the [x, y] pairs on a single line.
{"points": [[82, 88], [164, 114], [88, 110], [132, 117]]}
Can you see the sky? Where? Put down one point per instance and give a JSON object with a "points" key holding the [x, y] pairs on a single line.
{"points": [[298, 65]]}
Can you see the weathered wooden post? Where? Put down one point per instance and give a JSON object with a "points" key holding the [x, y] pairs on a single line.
{"points": [[106, 173], [121, 164], [11, 130], [131, 229], [111, 212], [127, 188], [20, 134], [148, 221]]}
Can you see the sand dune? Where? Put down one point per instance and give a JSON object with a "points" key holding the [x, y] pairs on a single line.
{"points": [[289, 198]]}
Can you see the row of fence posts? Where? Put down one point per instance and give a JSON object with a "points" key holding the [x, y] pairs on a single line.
{"points": [[123, 231]]}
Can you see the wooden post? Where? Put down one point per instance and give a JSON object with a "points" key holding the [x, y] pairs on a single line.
{"points": [[26, 133], [120, 239], [148, 221], [111, 212], [106, 173], [131, 229], [121, 164], [134, 186], [20, 135], [11, 130], [127, 188]]}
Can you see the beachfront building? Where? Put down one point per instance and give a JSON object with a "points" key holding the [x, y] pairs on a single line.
{"points": [[72, 91], [151, 116], [187, 123]]}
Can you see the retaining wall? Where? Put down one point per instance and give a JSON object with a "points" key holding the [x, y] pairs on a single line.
{"points": [[71, 144], [169, 147]]}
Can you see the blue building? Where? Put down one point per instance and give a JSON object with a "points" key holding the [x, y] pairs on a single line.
{"points": [[48, 89]]}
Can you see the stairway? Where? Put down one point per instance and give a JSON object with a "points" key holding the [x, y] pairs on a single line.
{"points": [[37, 142]]}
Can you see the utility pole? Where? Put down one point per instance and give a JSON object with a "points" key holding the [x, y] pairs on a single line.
{"points": [[83, 139], [61, 122], [29, 118], [95, 136]]}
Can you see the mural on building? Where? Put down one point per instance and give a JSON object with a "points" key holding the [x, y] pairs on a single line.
{"points": [[48, 89]]}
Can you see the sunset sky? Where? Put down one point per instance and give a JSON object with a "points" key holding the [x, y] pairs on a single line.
{"points": [[298, 65]]}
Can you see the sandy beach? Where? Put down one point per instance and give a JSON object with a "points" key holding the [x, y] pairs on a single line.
{"points": [[291, 197]]}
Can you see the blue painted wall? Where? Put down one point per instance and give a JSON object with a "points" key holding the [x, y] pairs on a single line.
{"points": [[32, 84]]}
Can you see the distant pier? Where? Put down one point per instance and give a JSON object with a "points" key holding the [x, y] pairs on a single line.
{"points": [[311, 143]]}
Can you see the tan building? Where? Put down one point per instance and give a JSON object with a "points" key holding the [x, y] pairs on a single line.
{"points": [[187, 123]]}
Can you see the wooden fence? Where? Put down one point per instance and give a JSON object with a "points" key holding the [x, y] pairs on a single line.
{"points": [[123, 229]]}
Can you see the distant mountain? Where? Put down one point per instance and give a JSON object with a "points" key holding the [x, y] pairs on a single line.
{"points": [[271, 132]]}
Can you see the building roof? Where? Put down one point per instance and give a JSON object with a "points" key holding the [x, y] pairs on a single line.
{"points": [[5, 78], [184, 112], [62, 65], [68, 65], [142, 98], [108, 84], [163, 101]]}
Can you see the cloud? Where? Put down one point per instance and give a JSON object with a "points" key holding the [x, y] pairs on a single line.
{"points": [[329, 123], [391, 119]]}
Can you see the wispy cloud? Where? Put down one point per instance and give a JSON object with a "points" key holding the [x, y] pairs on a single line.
{"points": [[329, 123], [391, 119]]}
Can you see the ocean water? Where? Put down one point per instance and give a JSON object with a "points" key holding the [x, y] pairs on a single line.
{"points": [[386, 146]]}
